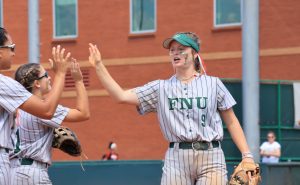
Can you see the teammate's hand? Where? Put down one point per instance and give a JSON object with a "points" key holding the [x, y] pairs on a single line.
{"points": [[75, 70], [60, 60], [95, 55]]}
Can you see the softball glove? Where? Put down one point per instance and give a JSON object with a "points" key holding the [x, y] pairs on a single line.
{"points": [[66, 140]]}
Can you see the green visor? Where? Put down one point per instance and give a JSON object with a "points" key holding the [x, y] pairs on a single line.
{"points": [[183, 39]]}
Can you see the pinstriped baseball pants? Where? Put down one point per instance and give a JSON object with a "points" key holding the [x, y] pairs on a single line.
{"points": [[35, 174], [14, 164], [4, 168], [190, 167]]}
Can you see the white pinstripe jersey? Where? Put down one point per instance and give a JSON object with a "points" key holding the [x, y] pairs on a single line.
{"points": [[36, 134], [12, 95], [187, 112]]}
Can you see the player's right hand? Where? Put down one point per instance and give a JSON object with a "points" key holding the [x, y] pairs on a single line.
{"points": [[75, 70], [95, 55], [60, 60]]}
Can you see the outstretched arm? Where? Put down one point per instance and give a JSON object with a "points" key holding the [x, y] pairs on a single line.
{"points": [[46, 108], [82, 110], [113, 88], [236, 132]]}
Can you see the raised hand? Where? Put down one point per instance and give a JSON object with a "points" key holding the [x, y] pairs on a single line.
{"points": [[95, 55], [60, 59], [75, 70]]}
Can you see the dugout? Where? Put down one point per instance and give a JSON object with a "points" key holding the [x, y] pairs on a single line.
{"points": [[276, 113]]}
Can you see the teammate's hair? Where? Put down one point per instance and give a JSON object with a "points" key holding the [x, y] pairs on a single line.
{"points": [[196, 40], [26, 74], [3, 36]]}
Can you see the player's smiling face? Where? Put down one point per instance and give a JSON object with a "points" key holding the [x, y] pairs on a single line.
{"points": [[6, 54], [180, 55], [44, 81]]}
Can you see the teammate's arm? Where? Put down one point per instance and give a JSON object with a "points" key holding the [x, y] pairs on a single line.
{"points": [[46, 108], [82, 110], [113, 88], [275, 153], [263, 153], [235, 131]]}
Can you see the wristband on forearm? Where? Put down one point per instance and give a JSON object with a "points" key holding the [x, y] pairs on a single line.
{"points": [[247, 155]]}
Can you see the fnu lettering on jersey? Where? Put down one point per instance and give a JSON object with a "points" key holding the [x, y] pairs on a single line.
{"points": [[189, 103]]}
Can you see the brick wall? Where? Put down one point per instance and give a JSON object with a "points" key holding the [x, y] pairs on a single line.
{"points": [[106, 23]]}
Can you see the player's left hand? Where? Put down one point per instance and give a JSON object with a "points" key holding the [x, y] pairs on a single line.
{"points": [[247, 172], [248, 160]]}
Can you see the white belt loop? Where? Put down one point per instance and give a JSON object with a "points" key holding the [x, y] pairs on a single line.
{"points": [[176, 146]]}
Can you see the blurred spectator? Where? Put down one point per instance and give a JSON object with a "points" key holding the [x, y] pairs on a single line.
{"points": [[270, 150], [112, 153]]}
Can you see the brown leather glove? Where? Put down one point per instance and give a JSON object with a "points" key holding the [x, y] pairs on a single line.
{"points": [[242, 172], [66, 140]]}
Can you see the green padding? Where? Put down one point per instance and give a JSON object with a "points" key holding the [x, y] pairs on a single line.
{"points": [[231, 152], [268, 105], [235, 88], [149, 173], [107, 173], [287, 105], [290, 149]]}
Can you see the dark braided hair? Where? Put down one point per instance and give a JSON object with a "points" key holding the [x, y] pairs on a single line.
{"points": [[197, 40], [3, 36], [26, 74]]}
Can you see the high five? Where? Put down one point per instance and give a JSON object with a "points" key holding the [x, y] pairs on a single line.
{"points": [[189, 107], [13, 95]]}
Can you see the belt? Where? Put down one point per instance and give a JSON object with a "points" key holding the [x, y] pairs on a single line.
{"points": [[4, 150], [29, 161], [197, 145]]}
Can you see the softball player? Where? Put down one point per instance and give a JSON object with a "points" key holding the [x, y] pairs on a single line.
{"points": [[13, 96], [36, 134], [189, 106], [13, 157]]}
